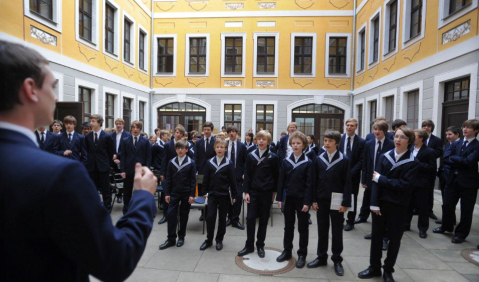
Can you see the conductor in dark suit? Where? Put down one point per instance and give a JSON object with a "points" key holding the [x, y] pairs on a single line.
{"points": [[69, 234]]}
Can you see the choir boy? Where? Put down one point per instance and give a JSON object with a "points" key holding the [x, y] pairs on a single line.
{"points": [[47, 140], [219, 184], [284, 149], [180, 187], [116, 137], [296, 178], [85, 128], [72, 144], [259, 186], [312, 143], [436, 144], [371, 136], [250, 146], [57, 127]]}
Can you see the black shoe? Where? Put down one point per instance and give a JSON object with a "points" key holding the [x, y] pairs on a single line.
{"points": [[348, 227], [219, 246], [369, 273], [180, 242], [458, 240], [440, 230], [423, 234], [201, 217], [388, 276], [285, 255], [309, 221], [244, 252], [359, 220], [316, 263], [368, 237], [338, 268], [228, 222], [163, 220], [119, 200], [301, 262], [238, 225], [385, 245], [407, 228], [261, 252], [439, 221], [205, 245], [167, 244], [432, 216]]}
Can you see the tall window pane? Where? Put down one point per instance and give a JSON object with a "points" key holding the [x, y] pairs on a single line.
{"points": [[127, 40], [265, 55], [416, 17], [233, 55], [303, 55], [85, 19], [84, 96], [393, 7], [265, 118], [141, 47], [109, 29], [165, 55], [412, 109], [337, 55], [198, 55]]}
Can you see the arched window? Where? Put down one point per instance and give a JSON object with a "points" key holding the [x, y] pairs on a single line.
{"points": [[191, 116]]}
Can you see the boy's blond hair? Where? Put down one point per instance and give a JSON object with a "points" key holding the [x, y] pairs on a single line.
{"points": [[264, 134]]}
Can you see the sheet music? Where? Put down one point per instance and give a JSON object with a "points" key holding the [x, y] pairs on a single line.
{"points": [[337, 199]]}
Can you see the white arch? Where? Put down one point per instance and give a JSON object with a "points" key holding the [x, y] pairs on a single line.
{"points": [[180, 99], [332, 102]]}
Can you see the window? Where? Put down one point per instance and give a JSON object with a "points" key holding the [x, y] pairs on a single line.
{"points": [[141, 48], [337, 55], [84, 96], [303, 55], [457, 89], [412, 109], [127, 112], [233, 115], [197, 55], [372, 113], [376, 40], [141, 113], [389, 113], [362, 50], [392, 13], [85, 19], [374, 37], [109, 111], [265, 118], [451, 10], [43, 8], [265, 60], [127, 40], [110, 29], [360, 119], [233, 55], [165, 55], [416, 18], [456, 5]]}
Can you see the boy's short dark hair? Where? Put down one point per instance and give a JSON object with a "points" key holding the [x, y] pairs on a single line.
{"points": [[381, 125], [98, 118], [57, 121], [312, 137], [251, 135], [137, 123], [163, 132], [397, 123], [231, 128], [422, 133], [181, 129], [156, 130], [120, 120], [454, 129], [430, 123], [181, 144], [474, 123], [333, 134], [209, 124], [18, 63], [298, 135], [409, 134], [70, 119], [85, 124]]}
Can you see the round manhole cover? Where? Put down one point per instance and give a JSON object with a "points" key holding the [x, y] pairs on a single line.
{"points": [[267, 265], [471, 255]]}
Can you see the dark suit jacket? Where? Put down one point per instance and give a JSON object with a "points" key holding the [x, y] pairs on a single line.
{"points": [[131, 155], [201, 155], [273, 148], [251, 147], [77, 146], [168, 154], [427, 166], [219, 179], [282, 147], [356, 159], [261, 174], [241, 154], [51, 143], [464, 163], [444, 169], [368, 159], [98, 156], [69, 234], [370, 136], [180, 180], [436, 144], [297, 179], [315, 148], [124, 134]]}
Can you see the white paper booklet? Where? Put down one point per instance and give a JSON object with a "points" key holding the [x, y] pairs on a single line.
{"points": [[337, 199]]}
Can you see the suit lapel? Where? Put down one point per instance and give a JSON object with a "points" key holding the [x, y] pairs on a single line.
{"points": [[214, 162]]}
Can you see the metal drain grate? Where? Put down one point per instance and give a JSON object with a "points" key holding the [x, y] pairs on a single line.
{"points": [[267, 265]]}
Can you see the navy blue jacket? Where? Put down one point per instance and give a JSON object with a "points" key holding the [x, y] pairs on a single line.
{"points": [[77, 146], [251, 147], [395, 183], [444, 169], [168, 154], [99, 155], [356, 158], [240, 155], [369, 156], [315, 148], [124, 134], [69, 234], [261, 174], [436, 144], [273, 148], [180, 180], [332, 177], [218, 180], [201, 155], [155, 156], [427, 166], [282, 147], [131, 155], [464, 163], [370, 136], [297, 179], [51, 143], [310, 153]]}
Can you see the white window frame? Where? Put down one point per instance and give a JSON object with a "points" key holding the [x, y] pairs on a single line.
{"points": [[348, 55], [364, 28], [134, 103], [223, 53], [133, 40], [313, 57], [367, 115], [187, 54], [275, 116], [146, 53], [444, 18], [386, 35], [55, 23], [155, 54], [375, 15], [404, 90], [357, 103], [117, 102], [406, 24], [146, 124], [243, 114], [116, 50], [94, 95], [386, 94], [59, 76], [276, 52], [95, 31]]}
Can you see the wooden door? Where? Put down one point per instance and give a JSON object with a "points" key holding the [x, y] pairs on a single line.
{"points": [[75, 109]]}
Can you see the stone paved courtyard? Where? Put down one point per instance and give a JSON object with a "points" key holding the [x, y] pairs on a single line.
{"points": [[432, 259]]}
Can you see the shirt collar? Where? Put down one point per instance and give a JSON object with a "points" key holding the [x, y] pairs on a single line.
{"points": [[135, 136], [181, 159], [73, 132], [382, 140], [330, 156], [20, 129], [99, 131], [296, 159], [398, 156], [119, 133], [219, 160], [261, 152], [469, 140]]}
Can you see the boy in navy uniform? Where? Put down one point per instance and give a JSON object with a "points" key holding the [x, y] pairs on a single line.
{"points": [[392, 183], [180, 186], [312, 143], [57, 126], [219, 183], [419, 196], [296, 178], [436, 144], [462, 182], [259, 186], [48, 141], [284, 149], [250, 146], [72, 144], [134, 149], [116, 137], [332, 174]]}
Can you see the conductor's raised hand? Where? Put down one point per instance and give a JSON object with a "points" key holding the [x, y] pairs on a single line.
{"points": [[144, 179]]}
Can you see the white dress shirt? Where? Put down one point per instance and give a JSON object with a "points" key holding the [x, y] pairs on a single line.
{"points": [[330, 156], [416, 151], [376, 147], [118, 139], [296, 158], [219, 160], [181, 159], [289, 149], [230, 144], [20, 129], [261, 152], [468, 141]]}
